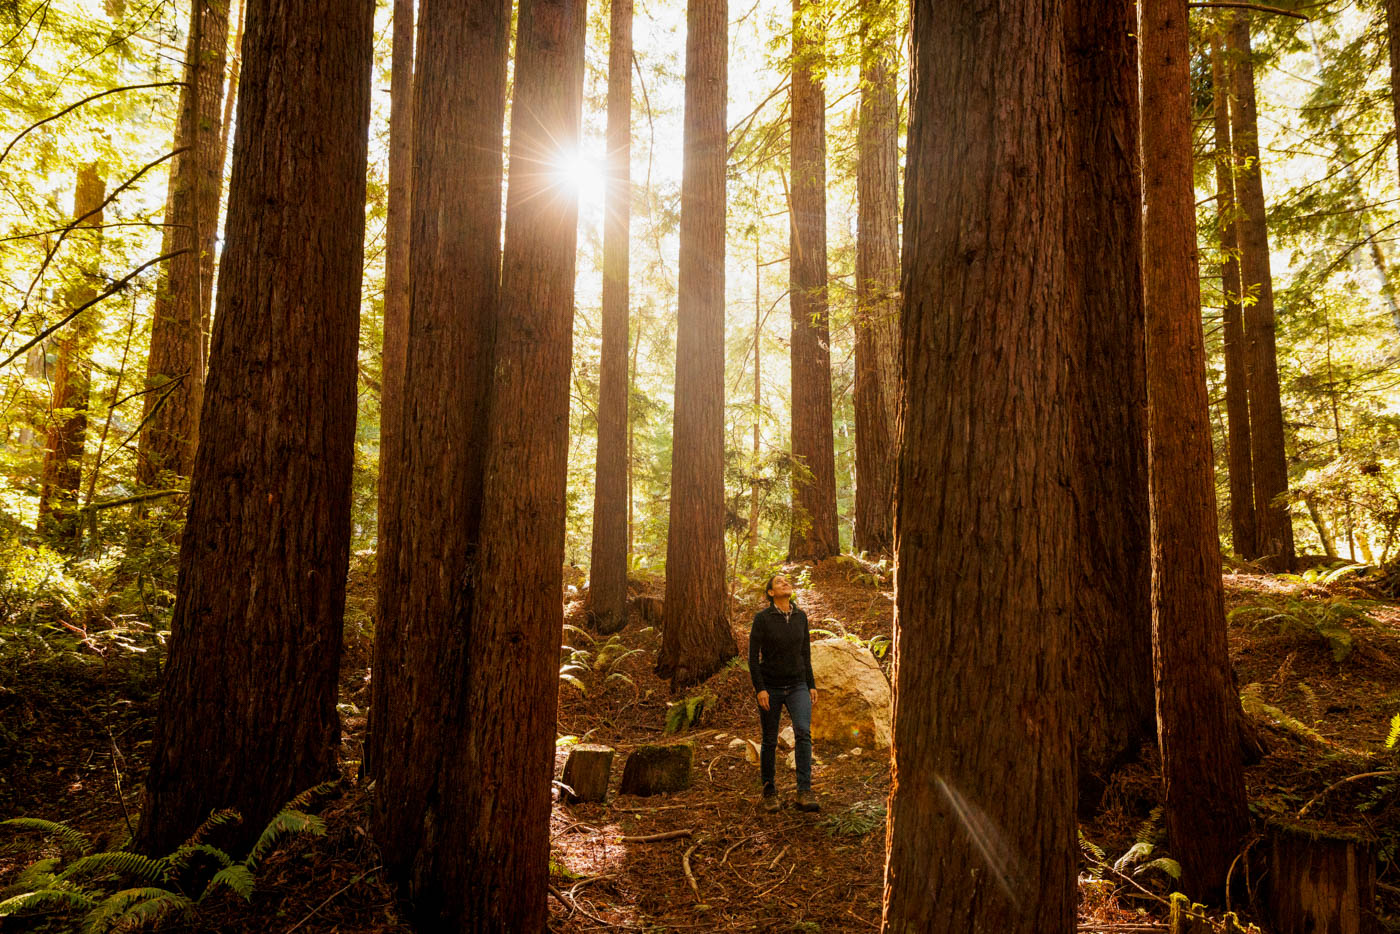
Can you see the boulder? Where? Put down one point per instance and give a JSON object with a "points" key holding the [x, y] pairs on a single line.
{"points": [[657, 770], [787, 738], [853, 705]]}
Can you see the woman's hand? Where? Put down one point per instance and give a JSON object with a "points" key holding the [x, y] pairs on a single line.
{"points": [[813, 693], [763, 699]]}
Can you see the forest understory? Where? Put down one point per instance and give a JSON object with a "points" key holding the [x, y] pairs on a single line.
{"points": [[1317, 664]]}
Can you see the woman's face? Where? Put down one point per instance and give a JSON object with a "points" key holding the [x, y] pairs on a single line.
{"points": [[781, 587]]}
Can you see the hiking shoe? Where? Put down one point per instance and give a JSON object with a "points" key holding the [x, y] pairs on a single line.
{"points": [[770, 798], [806, 801]]}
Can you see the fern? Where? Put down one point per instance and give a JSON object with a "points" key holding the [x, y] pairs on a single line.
{"points": [[125, 864], [287, 822], [687, 712], [67, 836], [238, 878], [1091, 849], [307, 797], [214, 822], [132, 909], [37, 875], [72, 899], [1151, 828], [1394, 735], [180, 860]]}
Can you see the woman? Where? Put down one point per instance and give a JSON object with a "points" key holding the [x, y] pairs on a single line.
{"points": [[780, 665]]}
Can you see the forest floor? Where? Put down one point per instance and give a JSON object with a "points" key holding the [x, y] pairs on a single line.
{"points": [[1318, 664]]}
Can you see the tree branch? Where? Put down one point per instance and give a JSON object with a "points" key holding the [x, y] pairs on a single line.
{"points": [[87, 100], [1240, 5]]}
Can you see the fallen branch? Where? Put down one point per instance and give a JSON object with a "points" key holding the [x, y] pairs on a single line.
{"points": [[656, 837], [690, 876], [1351, 778], [778, 858], [1240, 5], [129, 500]]}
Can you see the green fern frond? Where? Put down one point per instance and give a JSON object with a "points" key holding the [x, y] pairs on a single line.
{"points": [[1394, 735], [1151, 827], [1090, 848], [67, 836], [287, 822], [213, 822], [126, 864], [70, 899], [573, 679], [303, 800], [570, 627], [238, 878], [1170, 866], [180, 859], [39, 875], [133, 909]]}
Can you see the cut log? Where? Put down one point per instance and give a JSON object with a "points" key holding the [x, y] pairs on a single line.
{"points": [[647, 610], [587, 771], [1320, 881], [1187, 918], [657, 770]]}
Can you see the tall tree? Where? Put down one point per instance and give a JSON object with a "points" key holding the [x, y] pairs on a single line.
{"points": [[1113, 592], [877, 279], [1197, 709], [1392, 35], [247, 713], [984, 512], [1236, 377], [176, 363], [607, 574], [425, 645], [61, 474], [1273, 524], [697, 639], [394, 359], [814, 529]]}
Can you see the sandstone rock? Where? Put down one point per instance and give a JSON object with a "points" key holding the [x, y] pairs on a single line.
{"points": [[787, 739], [853, 704]]}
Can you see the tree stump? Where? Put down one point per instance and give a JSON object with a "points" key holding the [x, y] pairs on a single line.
{"points": [[648, 610], [1320, 882], [656, 770], [587, 771], [1190, 918]]}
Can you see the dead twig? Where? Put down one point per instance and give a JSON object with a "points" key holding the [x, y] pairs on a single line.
{"points": [[656, 837], [690, 876], [774, 865], [1350, 778]]}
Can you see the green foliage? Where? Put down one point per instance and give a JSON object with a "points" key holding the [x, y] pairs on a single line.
{"points": [[66, 836], [1331, 620], [857, 820], [585, 669]]}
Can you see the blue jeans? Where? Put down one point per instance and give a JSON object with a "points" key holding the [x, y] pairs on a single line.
{"points": [[799, 707]]}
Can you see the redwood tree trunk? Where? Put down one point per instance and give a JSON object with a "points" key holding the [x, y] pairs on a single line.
{"points": [[1113, 593], [1273, 524], [426, 647], [394, 359], [247, 713], [168, 442], [1392, 31], [697, 639], [1197, 709], [1236, 378], [985, 523], [877, 281], [814, 529], [497, 831], [61, 474], [607, 575]]}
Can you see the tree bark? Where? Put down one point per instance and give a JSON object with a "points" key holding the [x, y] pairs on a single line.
{"points": [[168, 442], [1242, 523], [394, 359], [607, 575], [814, 529], [697, 639], [877, 281], [1113, 593], [1197, 709], [1273, 524], [60, 477], [427, 647], [501, 867], [1392, 34], [247, 714], [984, 514]]}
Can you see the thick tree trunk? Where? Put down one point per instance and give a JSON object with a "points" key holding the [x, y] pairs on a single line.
{"points": [[61, 475], [1242, 522], [498, 830], [1273, 524], [985, 522], [247, 714], [426, 646], [814, 530], [1113, 593], [877, 281], [697, 639], [394, 359], [1197, 709], [1392, 31], [168, 442], [607, 575]]}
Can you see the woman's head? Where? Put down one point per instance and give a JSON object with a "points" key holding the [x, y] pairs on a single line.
{"points": [[778, 586]]}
